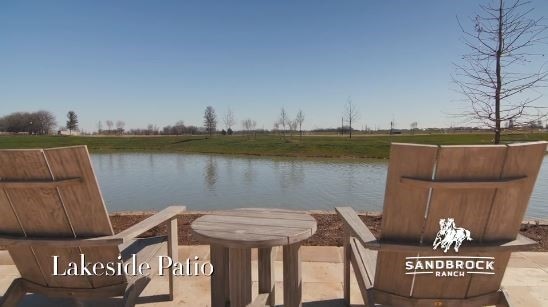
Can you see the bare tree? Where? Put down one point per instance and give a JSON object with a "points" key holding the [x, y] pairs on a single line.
{"points": [[293, 124], [228, 119], [276, 127], [45, 121], [414, 126], [72, 121], [253, 128], [120, 126], [283, 120], [350, 114], [99, 126], [493, 77], [109, 124], [300, 121], [179, 127], [249, 125], [210, 120]]}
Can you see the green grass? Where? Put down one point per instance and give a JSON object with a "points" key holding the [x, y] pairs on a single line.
{"points": [[265, 145]]}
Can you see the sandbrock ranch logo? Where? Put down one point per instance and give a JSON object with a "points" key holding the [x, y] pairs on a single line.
{"points": [[449, 236]]}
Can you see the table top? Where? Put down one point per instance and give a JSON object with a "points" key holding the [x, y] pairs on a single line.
{"points": [[254, 227]]}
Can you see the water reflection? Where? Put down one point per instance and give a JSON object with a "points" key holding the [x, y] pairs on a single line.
{"points": [[151, 161], [134, 181], [291, 174], [210, 172], [248, 174], [179, 163]]}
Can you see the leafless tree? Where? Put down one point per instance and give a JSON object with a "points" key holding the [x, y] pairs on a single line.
{"points": [[45, 122], [99, 126], [494, 77], [210, 120], [120, 126], [414, 126], [228, 119], [351, 114], [179, 127], [152, 129], [300, 121], [283, 120], [276, 127], [293, 124], [249, 125], [109, 124]]}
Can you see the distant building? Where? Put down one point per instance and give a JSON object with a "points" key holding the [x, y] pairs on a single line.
{"points": [[66, 132]]}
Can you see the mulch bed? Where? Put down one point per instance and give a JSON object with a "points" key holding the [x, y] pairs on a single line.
{"points": [[330, 229]]}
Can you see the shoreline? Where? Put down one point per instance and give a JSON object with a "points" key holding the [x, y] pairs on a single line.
{"points": [[313, 147]]}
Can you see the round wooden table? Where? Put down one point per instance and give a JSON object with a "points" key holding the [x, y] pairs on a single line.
{"points": [[231, 235]]}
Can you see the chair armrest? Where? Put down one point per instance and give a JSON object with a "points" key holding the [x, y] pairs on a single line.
{"points": [[356, 227], [151, 222]]}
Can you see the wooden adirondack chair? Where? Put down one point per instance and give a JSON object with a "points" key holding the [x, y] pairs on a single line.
{"points": [[51, 205], [485, 189]]}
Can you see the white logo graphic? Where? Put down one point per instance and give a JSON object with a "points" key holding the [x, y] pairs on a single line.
{"points": [[449, 233], [450, 266]]}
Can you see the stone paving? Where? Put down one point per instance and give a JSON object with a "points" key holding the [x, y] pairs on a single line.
{"points": [[526, 280]]}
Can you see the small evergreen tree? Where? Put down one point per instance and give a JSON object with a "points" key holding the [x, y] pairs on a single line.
{"points": [[72, 121]]}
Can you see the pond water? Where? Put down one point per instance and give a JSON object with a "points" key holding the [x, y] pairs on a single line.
{"points": [[152, 181]]}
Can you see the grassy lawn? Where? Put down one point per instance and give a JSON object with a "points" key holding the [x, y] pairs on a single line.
{"points": [[264, 145]]}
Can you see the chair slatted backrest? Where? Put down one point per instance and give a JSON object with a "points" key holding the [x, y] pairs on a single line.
{"points": [[412, 213], [34, 208]]}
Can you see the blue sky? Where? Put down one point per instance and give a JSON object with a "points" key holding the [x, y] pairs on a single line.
{"points": [[157, 62]]}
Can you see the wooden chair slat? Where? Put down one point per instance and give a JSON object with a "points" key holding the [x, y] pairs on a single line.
{"points": [[364, 282], [39, 183], [464, 184], [84, 205], [404, 208], [509, 207], [87, 211]]}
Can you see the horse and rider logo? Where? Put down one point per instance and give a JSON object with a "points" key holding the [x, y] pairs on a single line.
{"points": [[450, 237], [450, 234]]}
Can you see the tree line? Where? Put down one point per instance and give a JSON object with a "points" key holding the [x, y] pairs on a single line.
{"points": [[39, 123]]}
